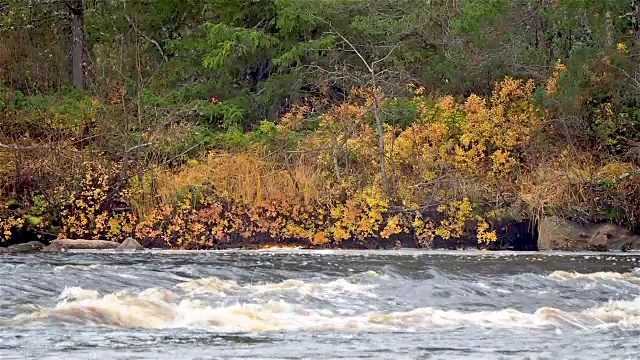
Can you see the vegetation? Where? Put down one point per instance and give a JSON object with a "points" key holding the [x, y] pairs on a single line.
{"points": [[203, 122]]}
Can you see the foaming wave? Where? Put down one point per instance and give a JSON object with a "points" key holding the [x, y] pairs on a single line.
{"points": [[633, 276], [623, 313], [152, 308], [158, 308], [77, 293], [370, 275], [68, 267], [210, 285], [219, 287], [309, 288]]}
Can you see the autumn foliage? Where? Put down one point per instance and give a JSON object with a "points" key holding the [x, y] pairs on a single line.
{"points": [[459, 166]]}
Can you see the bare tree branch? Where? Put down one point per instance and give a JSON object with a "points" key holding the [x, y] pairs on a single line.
{"points": [[149, 39], [353, 48], [25, 148], [385, 58]]}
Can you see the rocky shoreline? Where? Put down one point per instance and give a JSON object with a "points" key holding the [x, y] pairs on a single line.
{"points": [[548, 234], [64, 245]]}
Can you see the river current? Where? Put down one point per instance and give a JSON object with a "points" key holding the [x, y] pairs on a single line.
{"points": [[287, 304]]}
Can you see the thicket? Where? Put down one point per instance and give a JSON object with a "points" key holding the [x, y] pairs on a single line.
{"points": [[195, 123]]}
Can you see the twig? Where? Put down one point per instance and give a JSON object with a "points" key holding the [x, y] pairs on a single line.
{"points": [[137, 147], [401, 209], [353, 48], [149, 39], [25, 148]]}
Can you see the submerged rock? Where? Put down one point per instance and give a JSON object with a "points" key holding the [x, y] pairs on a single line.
{"points": [[29, 247], [129, 244], [61, 245], [555, 233]]}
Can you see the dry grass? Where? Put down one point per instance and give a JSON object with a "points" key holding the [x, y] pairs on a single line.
{"points": [[246, 177], [577, 185], [252, 178], [556, 183]]}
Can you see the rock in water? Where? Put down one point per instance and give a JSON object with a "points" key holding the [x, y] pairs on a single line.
{"points": [[555, 233], [31, 246], [61, 245], [54, 247], [129, 244], [5, 250], [615, 238]]}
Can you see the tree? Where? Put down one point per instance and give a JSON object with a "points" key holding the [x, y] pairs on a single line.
{"points": [[75, 10], [383, 35], [370, 65], [59, 16]]}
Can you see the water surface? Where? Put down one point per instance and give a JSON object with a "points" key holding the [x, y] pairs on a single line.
{"points": [[319, 305]]}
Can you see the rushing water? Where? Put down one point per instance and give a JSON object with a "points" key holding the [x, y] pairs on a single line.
{"points": [[319, 305]]}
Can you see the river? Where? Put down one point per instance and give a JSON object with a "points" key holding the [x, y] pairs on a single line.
{"points": [[288, 304]]}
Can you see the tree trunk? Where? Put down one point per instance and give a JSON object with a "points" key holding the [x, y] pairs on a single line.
{"points": [[76, 12], [377, 115], [636, 17]]}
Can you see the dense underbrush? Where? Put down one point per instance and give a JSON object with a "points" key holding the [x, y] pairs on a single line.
{"points": [[456, 168]]}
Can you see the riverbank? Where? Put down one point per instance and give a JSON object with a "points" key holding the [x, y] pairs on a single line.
{"points": [[480, 172], [550, 234]]}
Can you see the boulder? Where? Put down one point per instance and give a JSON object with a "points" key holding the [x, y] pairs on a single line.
{"points": [[129, 244], [61, 245], [54, 247], [615, 238], [555, 233], [28, 247]]}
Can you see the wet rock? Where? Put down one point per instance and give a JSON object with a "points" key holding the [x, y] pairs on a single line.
{"points": [[615, 238], [129, 244], [396, 241], [5, 250], [355, 244], [54, 247], [555, 233], [29, 247], [80, 244]]}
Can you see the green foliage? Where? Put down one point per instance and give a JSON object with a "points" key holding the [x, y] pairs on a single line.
{"points": [[229, 46], [12, 204], [232, 139], [400, 112], [299, 52], [226, 114], [40, 206], [267, 132], [33, 220], [475, 14]]}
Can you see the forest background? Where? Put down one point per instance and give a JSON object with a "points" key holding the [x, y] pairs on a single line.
{"points": [[194, 123]]}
